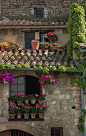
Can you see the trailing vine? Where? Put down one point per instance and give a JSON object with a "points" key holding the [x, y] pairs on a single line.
{"points": [[81, 120], [76, 28]]}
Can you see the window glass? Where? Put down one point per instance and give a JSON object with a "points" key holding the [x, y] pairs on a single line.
{"points": [[20, 80], [20, 87], [38, 13], [13, 87]]}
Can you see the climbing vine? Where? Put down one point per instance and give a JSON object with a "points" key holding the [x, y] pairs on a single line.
{"points": [[76, 28]]}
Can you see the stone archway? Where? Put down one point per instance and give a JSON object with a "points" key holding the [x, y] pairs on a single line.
{"points": [[21, 127]]}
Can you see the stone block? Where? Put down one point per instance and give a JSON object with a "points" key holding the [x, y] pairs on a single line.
{"points": [[53, 102], [3, 119], [67, 96], [63, 37], [61, 96], [0, 111], [77, 100], [5, 113], [10, 32], [77, 114], [58, 31], [20, 38], [56, 91], [8, 38], [1, 102], [17, 32]]}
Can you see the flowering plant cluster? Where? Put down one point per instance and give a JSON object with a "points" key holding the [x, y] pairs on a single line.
{"points": [[13, 42], [7, 77], [44, 45], [5, 44], [51, 36], [12, 109], [65, 45], [47, 79], [19, 98], [12, 98], [41, 108], [37, 41], [41, 97]]}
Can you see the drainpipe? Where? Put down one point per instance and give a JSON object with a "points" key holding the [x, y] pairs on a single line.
{"points": [[82, 100]]}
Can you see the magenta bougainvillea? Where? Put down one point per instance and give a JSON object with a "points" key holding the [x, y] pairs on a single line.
{"points": [[47, 79], [7, 77]]}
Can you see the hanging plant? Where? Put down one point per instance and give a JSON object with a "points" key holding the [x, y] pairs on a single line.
{"points": [[47, 79], [7, 77]]}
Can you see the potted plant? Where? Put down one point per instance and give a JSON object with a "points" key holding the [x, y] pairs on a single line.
{"points": [[33, 111], [12, 111], [26, 99], [52, 37], [41, 110], [11, 100], [26, 111], [7, 77], [13, 43], [4, 45], [18, 112], [35, 44], [44, 45], [41, 97], [47, 79], [33, 98], [19, 99]]}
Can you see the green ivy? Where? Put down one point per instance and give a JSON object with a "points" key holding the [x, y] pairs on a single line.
{"points": [[76, 28]]}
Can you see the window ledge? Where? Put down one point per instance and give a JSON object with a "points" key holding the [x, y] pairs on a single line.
{"points": [[36, 119]]}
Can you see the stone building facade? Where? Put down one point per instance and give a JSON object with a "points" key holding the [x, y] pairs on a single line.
{"points": [[60, 99], [16, 21]]}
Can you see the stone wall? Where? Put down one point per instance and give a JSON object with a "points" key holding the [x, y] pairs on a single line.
{"points": [[7, 35], [52, 9], [60, 99]]}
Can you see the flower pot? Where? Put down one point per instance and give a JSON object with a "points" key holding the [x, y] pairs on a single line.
{"points": [[54, 47], [40, 101], [35, 45], [26, 101], [11, 103], [18, 115], [26, 116], [12, 116], [41, 115], [19, 103], [33, 101], [33, 115], [2, 48]]}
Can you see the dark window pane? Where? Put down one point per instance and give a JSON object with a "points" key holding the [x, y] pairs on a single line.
{"points": [[13, 87], [38, 13], [52, 134], [20, 87], [20, 80], [52, 130]]}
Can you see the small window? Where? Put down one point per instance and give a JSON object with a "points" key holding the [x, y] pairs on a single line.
{"points": [[38, 13], [57, 131], [28, 38], [41, 37]]}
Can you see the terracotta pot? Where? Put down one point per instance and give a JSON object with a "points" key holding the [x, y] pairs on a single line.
{"points": [[18, 116], [26, 116], [19, 103], [54, 47], [33, 115], [33, 101], [12, 116], [26, 101], [35, 45], [41, 115], [2, 48], [11, 103], [40, 101]]}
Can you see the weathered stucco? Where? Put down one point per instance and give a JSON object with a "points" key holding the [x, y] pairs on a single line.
{"points": [[60, 99]]}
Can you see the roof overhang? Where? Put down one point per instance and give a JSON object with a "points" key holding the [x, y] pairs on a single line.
{"points": [[32, 27]]}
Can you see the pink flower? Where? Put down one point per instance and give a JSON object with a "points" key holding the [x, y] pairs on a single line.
{"points": [[40, 108]]}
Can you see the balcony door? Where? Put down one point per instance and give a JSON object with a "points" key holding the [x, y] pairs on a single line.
{"points": [[28, 38]]}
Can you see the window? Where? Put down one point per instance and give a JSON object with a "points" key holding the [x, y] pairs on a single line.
{"points": [[28, 38], [25, 84], [38, 13], [57, 131], [41, 37]]}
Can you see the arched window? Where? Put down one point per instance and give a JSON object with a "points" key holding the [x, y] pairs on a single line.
{"points": [[25, 85]]}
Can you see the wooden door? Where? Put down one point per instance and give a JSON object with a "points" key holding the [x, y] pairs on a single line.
{"points": [[28, 38], [5, 133]]}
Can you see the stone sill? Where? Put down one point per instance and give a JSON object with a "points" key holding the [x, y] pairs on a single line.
{"points": [[36, 119]]}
